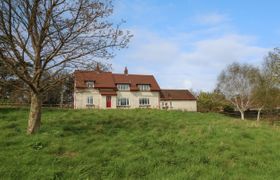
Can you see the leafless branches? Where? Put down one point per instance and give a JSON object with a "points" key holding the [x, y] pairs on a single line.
{"points": [[237, 83], [41, 38]]}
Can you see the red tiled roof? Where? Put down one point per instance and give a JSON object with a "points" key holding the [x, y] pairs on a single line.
{"points": [[111, 92], [109, 80], [101, 80], [135, 80], [168, 94], [104, 93]]}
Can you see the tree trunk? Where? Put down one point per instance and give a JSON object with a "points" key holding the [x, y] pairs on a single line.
{"points": [[259, 114], [61, 99], [34, 120], [242, 115]]}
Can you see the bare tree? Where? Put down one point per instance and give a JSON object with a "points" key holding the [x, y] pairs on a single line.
{"points": [[11, 87], [237, 82], [98, 66], [272, 65], [263, 94], [41, 38], [266, 93]]}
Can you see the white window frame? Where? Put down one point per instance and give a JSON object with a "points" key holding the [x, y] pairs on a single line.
{"points": [[90, 84], [123, 87], [144, 102], [144, 87], [90, 100], [122, 102]]}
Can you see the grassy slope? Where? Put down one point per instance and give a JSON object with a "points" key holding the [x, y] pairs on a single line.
{"points": [[137, 144]]}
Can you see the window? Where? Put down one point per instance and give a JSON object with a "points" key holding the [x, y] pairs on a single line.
{"points": [[90, 84], [123, 87], [90, 100], [144, 87], [144, 102], [123, 102]]}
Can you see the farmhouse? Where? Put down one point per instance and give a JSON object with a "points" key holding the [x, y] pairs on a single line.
{"points": [[104, 90]]}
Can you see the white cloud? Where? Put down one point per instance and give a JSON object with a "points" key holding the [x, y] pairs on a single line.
{"points": [[210, 56], [225, 49], [191, 59], [196, 67], [211, 18]]}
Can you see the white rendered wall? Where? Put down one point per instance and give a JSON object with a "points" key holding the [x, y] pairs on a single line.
{"points": [[80, 98], [186, 105], [135, 96]]}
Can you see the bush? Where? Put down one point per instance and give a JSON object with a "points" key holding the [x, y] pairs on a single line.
{"points": [[210, 102], [228, 108]]}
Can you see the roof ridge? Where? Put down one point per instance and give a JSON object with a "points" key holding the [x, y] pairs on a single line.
{"points": [[89, 71], [92, 71], [174, 89], [132, 74]]}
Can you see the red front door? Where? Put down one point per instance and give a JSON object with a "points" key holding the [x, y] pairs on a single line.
{"points": [[108, 101]]}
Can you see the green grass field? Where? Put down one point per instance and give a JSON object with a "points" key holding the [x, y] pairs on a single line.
{"points": [[137, 144]]}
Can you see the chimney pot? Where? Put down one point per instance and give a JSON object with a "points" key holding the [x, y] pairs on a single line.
{"points": [[125, 70], [98, 68]]}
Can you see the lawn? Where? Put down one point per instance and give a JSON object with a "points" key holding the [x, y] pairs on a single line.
{"points": [[137, 144]]}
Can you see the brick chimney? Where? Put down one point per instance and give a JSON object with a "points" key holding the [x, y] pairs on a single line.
{"points": [[126, 71], [97, 68]]}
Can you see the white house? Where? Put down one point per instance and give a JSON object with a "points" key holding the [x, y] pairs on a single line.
{"points": [[107, 90]]}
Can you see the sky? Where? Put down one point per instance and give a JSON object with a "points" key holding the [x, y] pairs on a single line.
{"points": [[185, 44]]}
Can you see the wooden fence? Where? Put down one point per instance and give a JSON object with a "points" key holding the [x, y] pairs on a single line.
{"points": [[63, 106], [273, 117], [253, 114]]}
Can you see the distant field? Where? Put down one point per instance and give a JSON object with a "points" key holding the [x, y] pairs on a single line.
{"points": [[137, 144]]}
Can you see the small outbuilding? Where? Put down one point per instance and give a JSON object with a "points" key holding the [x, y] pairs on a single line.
{"points": [[177, 100]]}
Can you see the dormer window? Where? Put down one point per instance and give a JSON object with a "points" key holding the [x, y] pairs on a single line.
{"points": [[144, 87], [90, 84], [123, 87]]}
